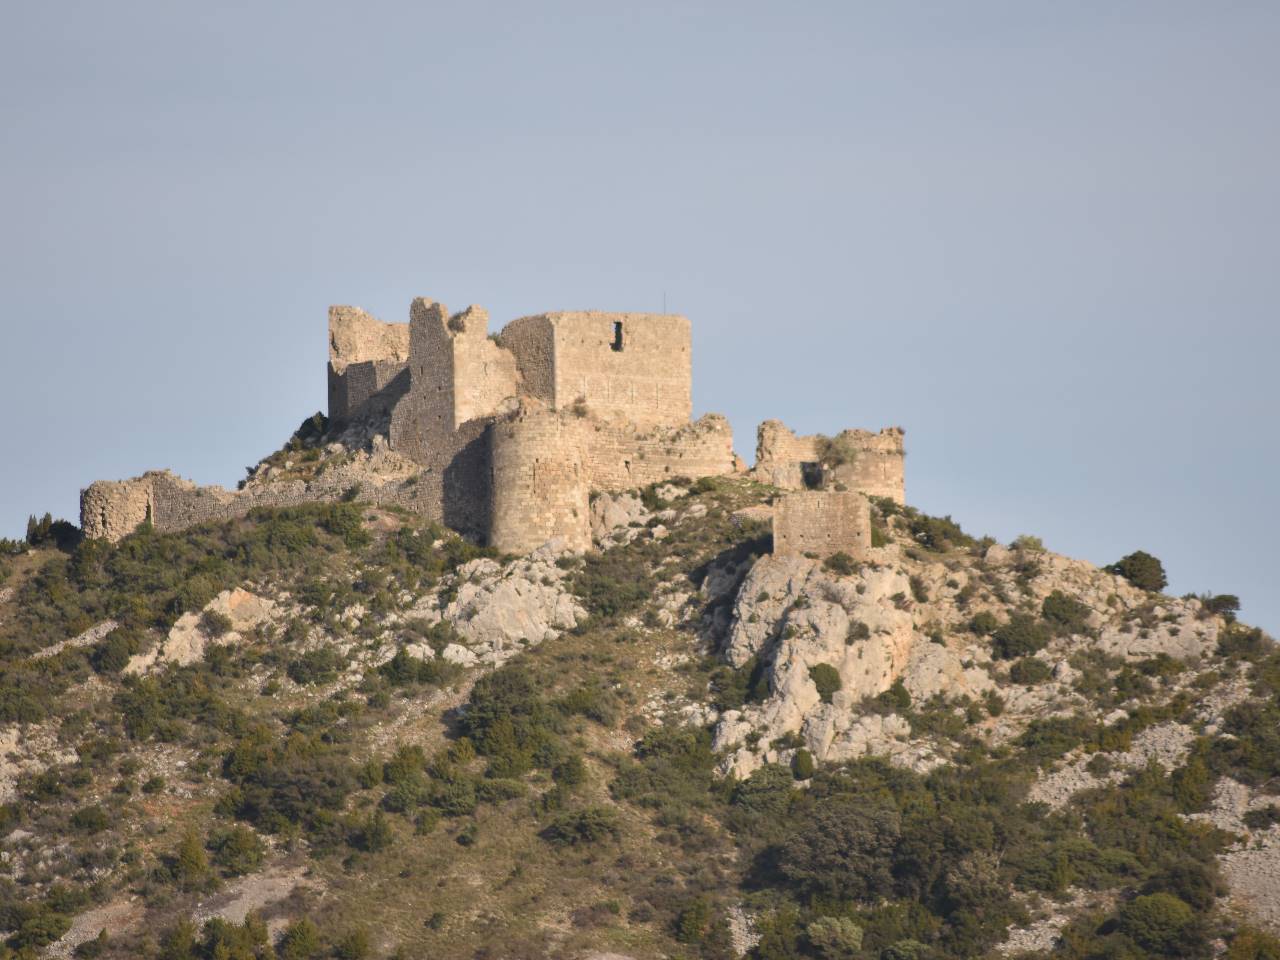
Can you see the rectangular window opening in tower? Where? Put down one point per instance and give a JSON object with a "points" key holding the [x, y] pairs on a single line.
{"points": [[617, 336]]}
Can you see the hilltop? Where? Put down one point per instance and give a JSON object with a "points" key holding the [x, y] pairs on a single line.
{"points": [[341, 729]]}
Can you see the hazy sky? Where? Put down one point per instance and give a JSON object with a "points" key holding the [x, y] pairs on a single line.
{"points": [[1039, 236]]}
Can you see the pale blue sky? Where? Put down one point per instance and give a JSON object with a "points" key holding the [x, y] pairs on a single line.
{"points": [[1040, 236]]}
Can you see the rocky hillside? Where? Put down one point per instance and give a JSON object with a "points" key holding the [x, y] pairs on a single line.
{"points": [[337, 731]]}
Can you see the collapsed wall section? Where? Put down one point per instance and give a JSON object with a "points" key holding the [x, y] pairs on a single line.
{"points": [[368, 364], [820, 523], [855, 460]]}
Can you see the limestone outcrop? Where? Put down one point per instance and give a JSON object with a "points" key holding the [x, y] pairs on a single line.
{"points": [[791, 616], [190, 636], [499, 609]]}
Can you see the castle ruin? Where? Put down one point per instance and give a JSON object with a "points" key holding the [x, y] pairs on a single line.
{"points": [[504, 436]]}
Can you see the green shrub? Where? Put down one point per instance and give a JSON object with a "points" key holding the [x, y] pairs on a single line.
{"points": [[1225, 605], [90, 819], [858, 630], [1021, 636], [1262, 818], [355, 945], [733, 688], [841, 564], [405, 670], [111, 654], [835, 938], [39, 928], [845, 850], [1065, 615], [983, 623], [215, 624], [376, 834], [1251, 944], [694, 921], [613, 582], [1244, 642], [936, 533], [1029, 670], [48, 532], [1156, 922], [190, 864], [826, 678], [802, 765], [237, 850], [314, 666], [299, 941], [896, 699], [570, 772], [90, 949], [588, 825], [673, 769], [1142, 570]]}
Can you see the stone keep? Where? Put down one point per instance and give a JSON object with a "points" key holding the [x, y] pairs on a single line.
{"points": [[821, 523]]}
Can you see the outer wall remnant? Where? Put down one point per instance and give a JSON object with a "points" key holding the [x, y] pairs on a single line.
{"points": [[792, 462], [822, 523]]}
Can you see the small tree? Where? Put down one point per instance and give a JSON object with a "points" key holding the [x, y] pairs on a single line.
{"points": [[191, 866], [826, 678], [300, 941], [1142, 570], [215, 624], [802, 765], [1021, 636]]}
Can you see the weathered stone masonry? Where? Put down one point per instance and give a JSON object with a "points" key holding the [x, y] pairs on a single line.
{"points": [[820, 523], [873, 462], [504, 437]]}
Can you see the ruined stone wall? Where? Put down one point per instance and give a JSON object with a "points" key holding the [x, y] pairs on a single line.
{"points": [[531, 341], [365, 358], [456, 374], [371, 387], [539, 486], [111, 509], [874, 461], [781, 456], [821, 523], [878, 465], [485, 376], [647, 383], [619, 457]]}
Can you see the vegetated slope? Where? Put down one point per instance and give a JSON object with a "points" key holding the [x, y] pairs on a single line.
{"points": [[339, 731]]}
